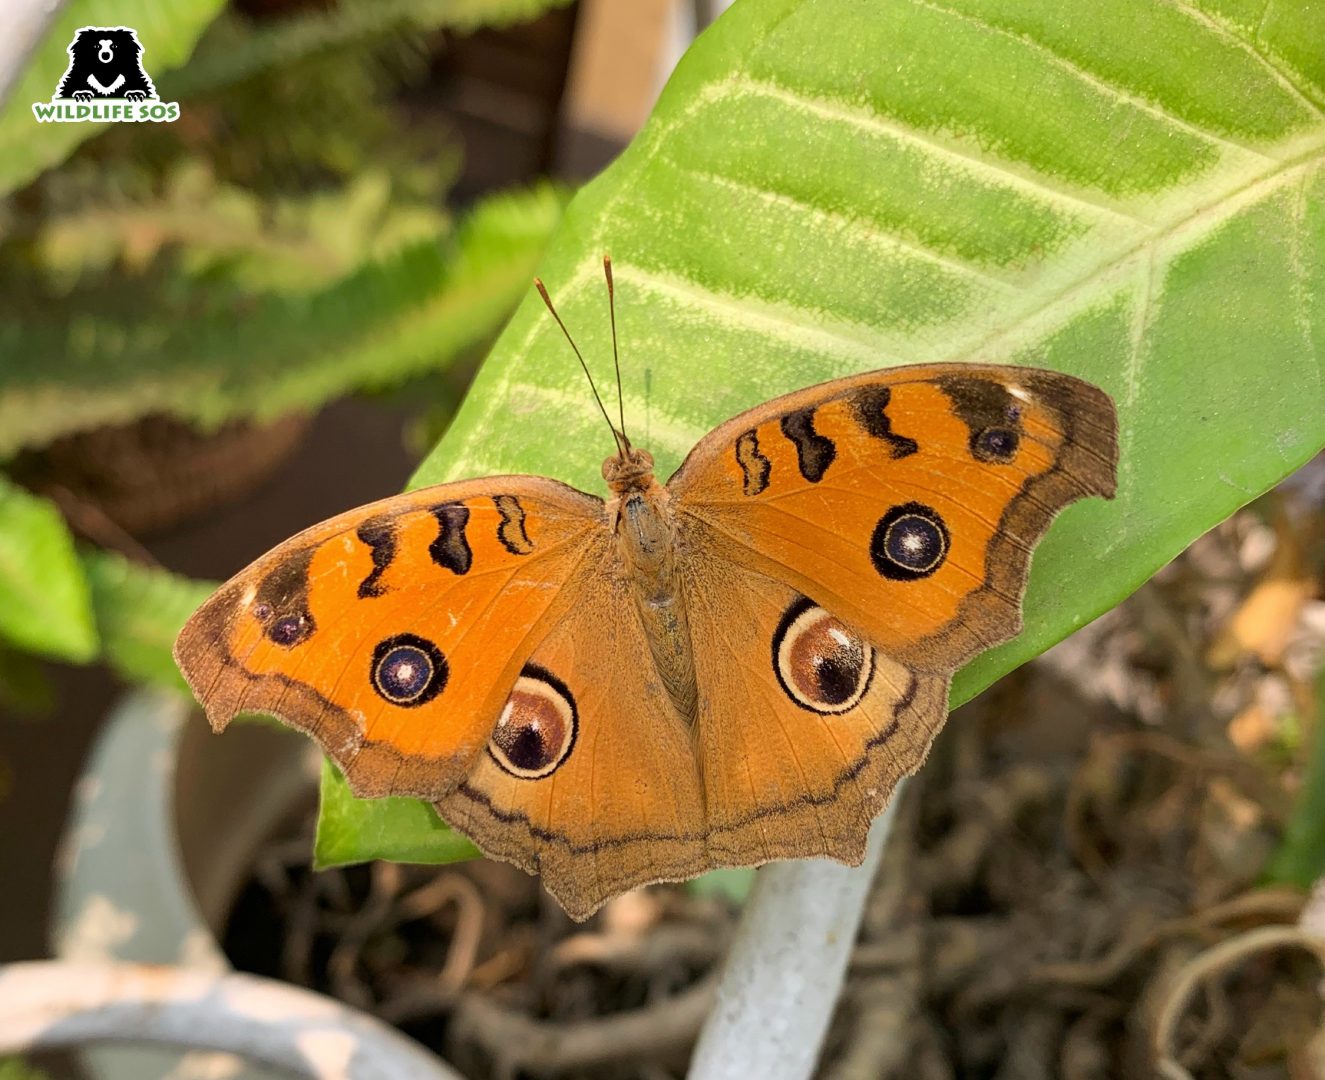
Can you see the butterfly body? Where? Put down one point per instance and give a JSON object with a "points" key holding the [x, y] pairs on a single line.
{"points": [[642, 519], [732, 667]]}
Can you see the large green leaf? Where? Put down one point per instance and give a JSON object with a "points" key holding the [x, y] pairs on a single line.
{"points": [[396, 317], [167, 29], [1131, 192], [45, 606]]}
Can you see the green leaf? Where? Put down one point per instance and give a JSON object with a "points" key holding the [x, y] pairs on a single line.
{"points": [[167, 30], [1131, 192], [234, 54], [13, 1068], [1300, 859], [405, 830], [389, 320], [44, 602], [139, 612], [253, 243]]}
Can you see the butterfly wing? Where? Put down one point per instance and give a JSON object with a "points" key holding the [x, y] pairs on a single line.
{"points": [[907, 502], [393, 633], [803, 728], [845, 549]]}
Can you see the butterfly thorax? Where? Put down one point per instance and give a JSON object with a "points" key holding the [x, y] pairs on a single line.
{"points": [[646, 534]]}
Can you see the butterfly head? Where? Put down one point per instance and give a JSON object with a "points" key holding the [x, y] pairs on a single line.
{"points": [[629, 470]]}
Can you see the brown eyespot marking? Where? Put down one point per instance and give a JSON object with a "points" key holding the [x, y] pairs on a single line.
{"points": [[537, 727], [451, 548], [511, 532], [408, 670], [814, 452], [990, 413], [995, 445], [909, 542], [281, 602], [290, 630], [380, 537], [754, 465], [821, 665], [870, 409]]}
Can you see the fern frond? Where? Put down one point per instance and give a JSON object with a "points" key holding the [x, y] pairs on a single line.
{"points": [[233, 53], [139, 612], [70, 367]]}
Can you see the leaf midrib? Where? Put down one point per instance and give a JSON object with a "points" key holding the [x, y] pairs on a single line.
{"points": [[1228, 201]]}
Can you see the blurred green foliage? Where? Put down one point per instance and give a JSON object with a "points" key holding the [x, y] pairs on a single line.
{"points": [[1300, 859], [285, 243], [12, 1068]]}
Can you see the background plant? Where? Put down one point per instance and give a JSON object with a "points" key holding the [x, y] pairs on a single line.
{"points": [[286, 243]]}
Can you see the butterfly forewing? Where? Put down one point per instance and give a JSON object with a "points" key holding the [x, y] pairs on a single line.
{"points": [[907, 501], [392, 634]]}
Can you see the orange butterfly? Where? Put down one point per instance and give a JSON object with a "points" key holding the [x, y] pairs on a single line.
{"points": [[734, 667]]}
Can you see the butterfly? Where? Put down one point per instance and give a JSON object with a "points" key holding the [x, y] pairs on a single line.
{"points": [[733, 667]]}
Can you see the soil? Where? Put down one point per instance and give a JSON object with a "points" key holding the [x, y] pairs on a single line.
{"points": [[1089, 878]]}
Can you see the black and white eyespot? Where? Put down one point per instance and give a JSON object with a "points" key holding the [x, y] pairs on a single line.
{"points": [[536, 730], [909, 542], [820, 664], [408, 670]]}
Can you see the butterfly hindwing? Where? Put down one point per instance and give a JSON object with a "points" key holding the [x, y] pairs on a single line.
{"points": [[591, 779], [597, 782]]}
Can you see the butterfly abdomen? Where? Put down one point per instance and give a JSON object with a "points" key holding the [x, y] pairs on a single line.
{"points": [[646, 535]]}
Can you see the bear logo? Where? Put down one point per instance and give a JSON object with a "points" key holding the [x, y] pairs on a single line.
{"points": [[105, 62], [105, 80]]}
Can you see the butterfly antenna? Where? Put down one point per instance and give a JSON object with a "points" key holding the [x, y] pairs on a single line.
{"points": [[616, 359], [622, 445]]}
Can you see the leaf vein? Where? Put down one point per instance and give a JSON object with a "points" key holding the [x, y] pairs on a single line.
{"points": [[1002, 172], [1222, 30], [1097, 83], [1141, 319], [1208, 216], [854, 226]]}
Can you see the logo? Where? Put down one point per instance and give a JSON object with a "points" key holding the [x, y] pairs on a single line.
{"points": [[105, 80]]}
